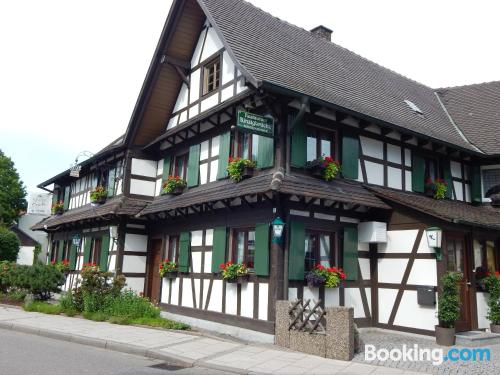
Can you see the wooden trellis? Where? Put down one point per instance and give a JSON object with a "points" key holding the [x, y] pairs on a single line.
{"points": [[307, 317]]}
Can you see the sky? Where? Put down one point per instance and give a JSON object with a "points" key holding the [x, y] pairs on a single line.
{"points": [[71, 70]]}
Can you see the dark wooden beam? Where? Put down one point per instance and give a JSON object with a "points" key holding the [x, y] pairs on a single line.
{"points": [[176, 62]]}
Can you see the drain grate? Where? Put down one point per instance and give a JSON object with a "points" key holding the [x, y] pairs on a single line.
{"points": [[168, 366]]}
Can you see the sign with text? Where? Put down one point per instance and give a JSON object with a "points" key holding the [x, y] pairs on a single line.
{"points": [[257, 124]]}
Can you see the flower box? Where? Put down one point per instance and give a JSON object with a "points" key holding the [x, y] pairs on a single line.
{"points": [[436, 188], [236, 273], [495, 200], [57, 208], [238, 279], [239, 169], [168, 269], [329, 277], [58, 211], [173, 186], [171, 275], [247, 172], [98, 195], [324, 168]]}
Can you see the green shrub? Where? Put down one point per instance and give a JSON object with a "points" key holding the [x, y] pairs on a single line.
{"points": [[449, 300], [493, 288], [40, 280], [130, 305], [6, 275], [69, 312], [97, 288], [36, 253], [43, 307], [9, 245], [122, 320]]}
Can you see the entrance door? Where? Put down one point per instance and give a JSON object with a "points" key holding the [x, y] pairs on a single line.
{"points": [[154, 279], [459, 261]]}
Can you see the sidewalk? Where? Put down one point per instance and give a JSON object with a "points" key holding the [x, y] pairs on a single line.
{"points": [[183, 348]]}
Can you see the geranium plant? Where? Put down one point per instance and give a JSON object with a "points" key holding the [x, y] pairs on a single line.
{"points": [[330, 277], [57, 208], [237, 166], [438, 187], [167, 266], [327, 167], [62, 265], [98, 194], [493, 288], [231, 271], [173, 184]]}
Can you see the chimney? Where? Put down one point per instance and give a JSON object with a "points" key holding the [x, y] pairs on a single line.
{"points": [[322, 32]]}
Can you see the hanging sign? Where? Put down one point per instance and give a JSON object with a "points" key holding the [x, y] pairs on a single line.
{"points": [[257, 124], [76, 239]]}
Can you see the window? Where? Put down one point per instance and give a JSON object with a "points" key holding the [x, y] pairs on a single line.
{"points": [[209, 160], [318, 249], [246, 145], [66, 250], [95, 250], [320, 143], [430, 171], [180, 166], [244, 247], [491, 177], [211, 76], [484, 255], [54, 250], [173, 248]]}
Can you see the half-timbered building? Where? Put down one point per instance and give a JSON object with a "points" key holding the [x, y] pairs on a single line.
{"points": [[217, 60]]}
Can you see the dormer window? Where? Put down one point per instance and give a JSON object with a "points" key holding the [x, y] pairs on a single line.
{"points": [[211, 76]]}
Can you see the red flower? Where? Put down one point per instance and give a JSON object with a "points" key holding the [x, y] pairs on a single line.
{"points": [[161, 266], [53, 262]]}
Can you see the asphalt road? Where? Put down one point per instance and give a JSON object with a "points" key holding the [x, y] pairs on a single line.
{"points": [[22, 354]]}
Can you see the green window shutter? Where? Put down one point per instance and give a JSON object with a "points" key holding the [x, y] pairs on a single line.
{"points": [[103, 261], [224, 152], [111, 182], [476, 188], [184, 252], [86, 249], [72, 256], [350, 156], [166, 168], [417, 173], [298, 143], [265, 152], [261, 261], [55, 195], [66, 197], [351, 253], [60, 251], [296, 251], [447, 178], [193, 169], [219, 248]]}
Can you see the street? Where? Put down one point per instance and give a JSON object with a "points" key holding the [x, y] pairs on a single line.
{"points": [[22, 353]]}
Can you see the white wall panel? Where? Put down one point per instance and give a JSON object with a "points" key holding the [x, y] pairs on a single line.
{"points": [[227, 68], [197, 283], [141, 187], [391, 270], [231, 298], [423, 272], [393, 153], [196, 256], [374, 173], [142, 167], [353, 299], [408, 184], [332, 297], [159, 167], [311, 293], [247, 300], [399, 241], [136, 242], [158, 187], [194, 92], [208, 262], [292, 294], [187, 293], [215, 303], [136, 284], [394, 178], [407, 157], [411, 314], [195, 60], [456, 169], [482, 310], [227, 93], [165, 290], [209, 102], [212, 44], [364, 265], [263, 300], [174, 298], [372, 147], [459, 192], [134, 264], [386, 298]]}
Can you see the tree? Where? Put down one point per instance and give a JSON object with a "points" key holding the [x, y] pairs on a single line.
{"points": [[9, 245], [12, 192]]}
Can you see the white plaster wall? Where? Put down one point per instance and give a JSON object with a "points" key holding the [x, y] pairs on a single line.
{"points": [[411, 314], [144, 167], [134, 264], [141, 187], [263, 300], [158, 184], [209, 237], [423, 272], [399, 241], [423, 247], [187, 293], [394, 178], [25, 255], [364, 265], [136, 242], [374, 173], [165, 290], [311, 293], [482, 310], [386, 298], [196, 265], [393, 153], [407, 157], [231, 298], [408, 183], [332, 297], [353, 299], [391, 270], [136, 284], [215, 303], [227, 68], [208, 262], [197, 283], [247, 300], [194, 93], [459, 191], [292, 293], [456, 169], [372, 147], [174, 298]]}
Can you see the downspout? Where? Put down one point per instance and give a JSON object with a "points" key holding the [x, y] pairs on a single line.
{"points": [[304, 103]]}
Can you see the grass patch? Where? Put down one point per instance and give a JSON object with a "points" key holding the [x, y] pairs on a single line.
{"points": [[122, 320], [95, 316], [161, 323], [70, 312], [43, 307]]}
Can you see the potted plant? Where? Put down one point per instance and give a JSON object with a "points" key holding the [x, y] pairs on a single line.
{"points": [[62, 265], [98, 195], [436, 188], [57, 208], [174, 185], [448, 309], [234, 272], [239, 168], [325, 168], [168, 269], [493, 288], [330, 277]]}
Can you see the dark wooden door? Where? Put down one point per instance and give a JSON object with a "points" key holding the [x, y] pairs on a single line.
{"points": [[459, 260], [154, 279]]}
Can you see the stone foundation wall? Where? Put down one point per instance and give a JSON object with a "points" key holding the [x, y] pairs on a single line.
{"points": [[337, 343]]}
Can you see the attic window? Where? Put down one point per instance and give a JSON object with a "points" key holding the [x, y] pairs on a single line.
{"points": [[414, 107], [211, 76]]}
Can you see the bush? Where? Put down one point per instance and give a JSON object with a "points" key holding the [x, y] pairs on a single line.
{"points": [[130, 305], [5, 275], [43, 307], [97, 288], [9, 245], [493, 287], [449, 300], [40, 280]]}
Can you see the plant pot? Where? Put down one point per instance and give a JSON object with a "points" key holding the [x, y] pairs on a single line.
{"points": [[495, 200], [170, 275], [99, 201], [59, 212], [445, 336], [238, 280], [176, 191], [429, 193], [316, 171], [495, 328], [247, 172]]}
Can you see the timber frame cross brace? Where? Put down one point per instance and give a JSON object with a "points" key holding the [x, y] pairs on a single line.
{"points": [[179, 65]]}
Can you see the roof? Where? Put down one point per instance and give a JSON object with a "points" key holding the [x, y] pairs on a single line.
{"points": [[120, 205], [24, 238], [273, 51], [476, 111], [444, 209], [337, 190]]}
